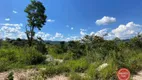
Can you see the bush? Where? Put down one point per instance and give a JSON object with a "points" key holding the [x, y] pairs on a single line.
{"points": [[3, 64], [75, 76], [77, 65], [55, 70], [68, 55], [41, 47], [92, 72], [109, 72], [106, 73], [131, 60], [31, 57], [10, 76], [9, 55], [22, 55]]}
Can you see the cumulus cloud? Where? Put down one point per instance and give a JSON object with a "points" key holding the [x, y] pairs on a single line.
{"points": [[123, 31], [50, 20], [102, 32], [92, 33], [105, 20], [12, 31], [74, 38], [14, 11], [83, 32], [58, 35], [127, 31], [7, 19], [44, 36]]}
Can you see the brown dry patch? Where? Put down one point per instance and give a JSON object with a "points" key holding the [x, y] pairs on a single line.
{"points": [[138, 76]]}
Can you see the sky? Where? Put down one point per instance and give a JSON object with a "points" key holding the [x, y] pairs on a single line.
{"points": [[72, 19]]}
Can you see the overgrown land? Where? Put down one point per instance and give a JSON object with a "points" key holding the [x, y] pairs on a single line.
{"points": [[90, 58]]}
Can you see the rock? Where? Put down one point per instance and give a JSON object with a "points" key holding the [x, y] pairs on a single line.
{"points": [[102, 66]]}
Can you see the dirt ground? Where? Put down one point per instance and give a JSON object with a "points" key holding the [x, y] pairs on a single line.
{"points": [[30, 75], [138, 76]]}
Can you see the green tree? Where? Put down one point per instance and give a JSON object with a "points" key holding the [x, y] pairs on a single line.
{"points": [[36, 19]]}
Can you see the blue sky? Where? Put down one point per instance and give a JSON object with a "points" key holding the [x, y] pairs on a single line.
{"points": [[72, 19]]}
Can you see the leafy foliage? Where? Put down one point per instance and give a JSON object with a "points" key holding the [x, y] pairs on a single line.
{"points": [[36, 18], [10, 76]]}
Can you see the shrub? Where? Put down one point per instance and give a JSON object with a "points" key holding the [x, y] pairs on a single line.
{"points": [[10, 76], [50, 71], [3, 64], [41, 47], [77, 65], [32, 57], [9, 55], [109, 72], [92, 72], [55, 70], [75, 76], [68, 56]]}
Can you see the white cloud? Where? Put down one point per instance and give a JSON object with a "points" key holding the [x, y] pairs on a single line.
{"points": [[44, 36], [127, 31], [12, 31], [14, 25], [50, 20], [58, 35], [102, 32], [83, 32], [122, 31], [72, 38], [72, 28], [92, 33], [21, 35], [105, 20], [14, 11], [7, 19]]}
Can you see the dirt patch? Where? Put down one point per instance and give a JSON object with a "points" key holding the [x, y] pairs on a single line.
{"points": [[3, 75], [20, 74], [138, 76], [30, 74], [60, 77]]}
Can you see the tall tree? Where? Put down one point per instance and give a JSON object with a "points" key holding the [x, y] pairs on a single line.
{"points": [[36, 19]]}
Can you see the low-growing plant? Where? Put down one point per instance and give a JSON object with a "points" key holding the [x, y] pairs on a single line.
{"points": [[32, 58], [55, 70], [77, 65], [10, 76], [92, 72], [3, 64], [75, 76]]}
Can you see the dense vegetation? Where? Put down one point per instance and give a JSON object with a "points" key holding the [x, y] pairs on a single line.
{"points": [[77, 57]]}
